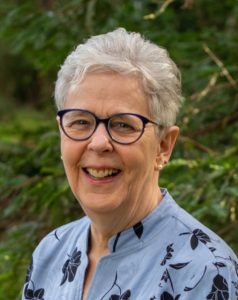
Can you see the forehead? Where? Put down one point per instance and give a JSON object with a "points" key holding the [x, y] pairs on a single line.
{"points": [[107, 93]]}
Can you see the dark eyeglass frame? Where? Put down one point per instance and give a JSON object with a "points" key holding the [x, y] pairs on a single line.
{"points": [[105, 121]]}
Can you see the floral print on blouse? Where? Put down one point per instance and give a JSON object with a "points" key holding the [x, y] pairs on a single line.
{"points": [[169, 255]]}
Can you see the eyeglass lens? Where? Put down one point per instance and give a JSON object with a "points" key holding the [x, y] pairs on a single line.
{"points": [[124, 128]]}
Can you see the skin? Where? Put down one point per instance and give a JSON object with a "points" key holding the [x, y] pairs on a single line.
{"points": [[116, 203]]}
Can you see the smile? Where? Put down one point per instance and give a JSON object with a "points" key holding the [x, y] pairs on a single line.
{"points": [[102, 173]]}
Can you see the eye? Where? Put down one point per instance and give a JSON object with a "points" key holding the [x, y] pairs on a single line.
{"points": [[121, 125], [78, 120], [80, 123], [125, 124]]}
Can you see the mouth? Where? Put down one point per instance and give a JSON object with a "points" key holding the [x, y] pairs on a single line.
{"points": [[101, 173]]}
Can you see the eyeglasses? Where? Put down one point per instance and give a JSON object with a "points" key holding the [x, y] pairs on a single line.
{"points": [[123, 128]]}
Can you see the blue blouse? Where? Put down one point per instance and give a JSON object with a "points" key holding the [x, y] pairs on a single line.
{"points": [[169, 255]]}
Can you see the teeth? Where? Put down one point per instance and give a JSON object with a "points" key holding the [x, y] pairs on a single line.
{"points": [[101, 173]]}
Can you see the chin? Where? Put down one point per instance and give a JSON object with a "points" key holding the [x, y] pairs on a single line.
{"points": [[98, 204]]}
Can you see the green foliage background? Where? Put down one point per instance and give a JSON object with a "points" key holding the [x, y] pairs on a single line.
{"points": [[36, 36]]}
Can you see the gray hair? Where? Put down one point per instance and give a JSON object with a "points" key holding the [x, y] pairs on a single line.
{"points": [[126, 53]]}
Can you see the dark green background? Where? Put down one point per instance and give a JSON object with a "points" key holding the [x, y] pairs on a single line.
{"points": [[36, 36]]}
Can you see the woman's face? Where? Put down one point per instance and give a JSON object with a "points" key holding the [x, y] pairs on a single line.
{"points": [[134, 180]]}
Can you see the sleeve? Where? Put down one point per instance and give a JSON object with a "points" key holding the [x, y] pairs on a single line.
{"points": [[30, 288], [214, 280], [46, 267], [40, 267], [218, 281]]}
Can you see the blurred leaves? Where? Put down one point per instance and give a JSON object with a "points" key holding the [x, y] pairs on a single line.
{"points": [[36, 36]]}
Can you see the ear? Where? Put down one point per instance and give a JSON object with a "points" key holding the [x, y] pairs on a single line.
{"points": [[59, 127], [166, 145], [60, 131], [58, 120]]}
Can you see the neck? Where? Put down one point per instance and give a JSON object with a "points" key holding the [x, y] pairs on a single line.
{"points": [[99, 240], [104, 226]]}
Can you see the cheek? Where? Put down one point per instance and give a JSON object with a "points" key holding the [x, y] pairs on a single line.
{"points": [[71, 152], [140, 161]]}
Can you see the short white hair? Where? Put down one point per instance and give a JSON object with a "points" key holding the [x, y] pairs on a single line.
{"points": [[126, 53]]}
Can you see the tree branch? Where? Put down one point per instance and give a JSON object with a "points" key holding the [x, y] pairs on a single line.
{"points": [[220, 64], [161, 10], [220, 124], [197, 144]]}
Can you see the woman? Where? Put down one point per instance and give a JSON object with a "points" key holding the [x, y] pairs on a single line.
{"points": [[117, 97]]}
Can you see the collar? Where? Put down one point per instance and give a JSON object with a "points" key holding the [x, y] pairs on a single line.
{"points": [[145, 230]]}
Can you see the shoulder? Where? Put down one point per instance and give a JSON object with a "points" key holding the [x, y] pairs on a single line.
{"points": [[51, 258], [184, 227], [64, 237], [195, 253]]}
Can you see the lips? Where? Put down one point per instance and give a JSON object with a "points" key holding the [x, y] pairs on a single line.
{"points": [[101, 173]]}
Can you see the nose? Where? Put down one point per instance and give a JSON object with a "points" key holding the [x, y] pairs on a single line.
{"points": [[100, 140]]}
